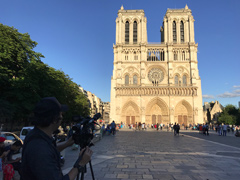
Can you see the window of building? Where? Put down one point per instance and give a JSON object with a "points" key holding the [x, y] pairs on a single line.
{"points": [[127, 32], [162, 56], [183, 55], [175, 56], [184, 80], [182, 31], [135, 79], [174, 32], [176, 80], [126, 57], [126, 80], [135, 57], [135, 32]]}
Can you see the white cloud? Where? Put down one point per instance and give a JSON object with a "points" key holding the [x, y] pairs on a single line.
{"points": [[237, 91], [229, 95], [206, 96], [234, 93]]}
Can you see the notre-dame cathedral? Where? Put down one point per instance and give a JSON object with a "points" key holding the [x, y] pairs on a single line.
{"points": [[156, 82]]}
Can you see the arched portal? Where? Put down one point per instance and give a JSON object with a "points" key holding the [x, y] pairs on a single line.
{"points": [[157, 112], [183, 113], [130, 113]]}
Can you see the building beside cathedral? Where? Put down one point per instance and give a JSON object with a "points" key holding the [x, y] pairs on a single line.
{"points": [[156, 82], [212, 111]]}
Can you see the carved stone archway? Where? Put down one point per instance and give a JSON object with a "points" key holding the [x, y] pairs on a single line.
{"points": [[157, 112], [183, 113], [130, 113]]}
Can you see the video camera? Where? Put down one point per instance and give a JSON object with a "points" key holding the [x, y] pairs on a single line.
{"points": [[84, 129]]}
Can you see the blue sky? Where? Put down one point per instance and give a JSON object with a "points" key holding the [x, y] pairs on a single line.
{"points": [[70, 32]]}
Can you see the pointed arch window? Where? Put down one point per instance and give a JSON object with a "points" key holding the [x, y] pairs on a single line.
{"points": [[174, 32], [184, 80], [126, 80], [135, 79], [135, 32], [182, 31], [127, 32], [176, 80]]}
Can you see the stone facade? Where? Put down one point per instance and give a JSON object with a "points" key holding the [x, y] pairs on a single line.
{"points": [[156, 82], [211, 111], [106, 112]]}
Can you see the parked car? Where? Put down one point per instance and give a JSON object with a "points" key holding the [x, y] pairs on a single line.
{"points": [[10, 138], [25, 131]]}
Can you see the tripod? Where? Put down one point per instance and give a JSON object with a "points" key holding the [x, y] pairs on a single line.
{"points": [[85, 168]]}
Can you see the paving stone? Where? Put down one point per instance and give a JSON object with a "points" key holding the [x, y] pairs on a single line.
{"points": [[110, 176], [122, 176], [160, 155]]}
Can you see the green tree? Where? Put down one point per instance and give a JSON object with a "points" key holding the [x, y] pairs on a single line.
{"points": [[227, 119], [230, 115], [25, 79], [16, 53]]}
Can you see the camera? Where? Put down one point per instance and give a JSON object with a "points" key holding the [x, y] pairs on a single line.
{"points": [[83, 130]]}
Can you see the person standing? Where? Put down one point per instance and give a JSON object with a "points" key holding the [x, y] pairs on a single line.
{"points": [[224, 128], [175, 129], [219, 129], [113, 125], [40, 155], [206, 129]]}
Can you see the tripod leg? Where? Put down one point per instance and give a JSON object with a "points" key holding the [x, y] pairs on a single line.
{"points": [[82, 176], [90, 163]]}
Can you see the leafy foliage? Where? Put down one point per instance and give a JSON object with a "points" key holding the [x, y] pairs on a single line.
{"points": [[25, 79], [230, 115]]}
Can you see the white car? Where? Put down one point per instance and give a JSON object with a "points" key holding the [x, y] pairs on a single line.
{"points": [[25, 131], [10, 138]]}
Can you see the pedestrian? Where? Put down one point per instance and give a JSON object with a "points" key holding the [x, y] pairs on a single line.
{"points": [[7, 170], [113, 128], [157, 126], [219, 129], [15, 147], [206, 129], [224, 128], [175, 129], [40, 155]]}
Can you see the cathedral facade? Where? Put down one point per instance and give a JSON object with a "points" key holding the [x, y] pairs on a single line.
{"points": [[156, 82]]}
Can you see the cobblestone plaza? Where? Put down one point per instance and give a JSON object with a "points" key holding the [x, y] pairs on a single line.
{"points": [[160, 155]]}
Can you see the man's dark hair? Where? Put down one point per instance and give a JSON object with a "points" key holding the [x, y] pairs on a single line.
{"points": [[17, 143], [47, 111]]}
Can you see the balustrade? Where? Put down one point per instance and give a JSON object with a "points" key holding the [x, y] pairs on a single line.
{"points": [[153, 91]]}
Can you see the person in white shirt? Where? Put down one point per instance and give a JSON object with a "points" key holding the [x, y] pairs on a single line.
{"points": [[224, 128]]}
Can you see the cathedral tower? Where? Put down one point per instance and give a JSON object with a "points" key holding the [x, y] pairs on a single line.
{"points": [[156, 83]]}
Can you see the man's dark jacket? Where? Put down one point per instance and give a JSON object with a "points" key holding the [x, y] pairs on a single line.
{"points": [[40, 158]]}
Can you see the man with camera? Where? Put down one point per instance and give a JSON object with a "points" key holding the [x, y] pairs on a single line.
{"points": [[40, 155]]}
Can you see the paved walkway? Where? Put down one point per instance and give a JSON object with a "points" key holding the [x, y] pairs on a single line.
{"points": [[160, 155]]}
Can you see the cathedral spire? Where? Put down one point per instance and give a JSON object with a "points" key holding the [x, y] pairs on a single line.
{"points": [[122, 8], [186, 7]]}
